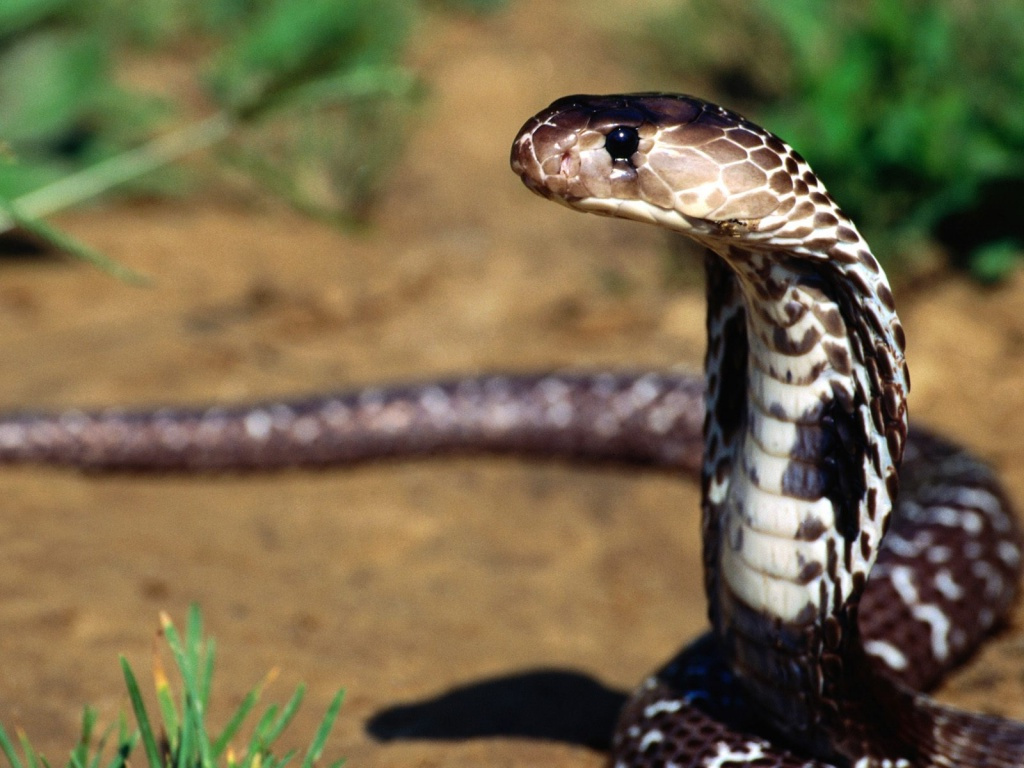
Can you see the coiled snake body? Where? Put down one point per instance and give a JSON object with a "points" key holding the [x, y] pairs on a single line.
{"points": [[823, 633]]}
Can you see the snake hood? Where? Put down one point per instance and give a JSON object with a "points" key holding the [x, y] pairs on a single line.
{"points": [[806, 384]]}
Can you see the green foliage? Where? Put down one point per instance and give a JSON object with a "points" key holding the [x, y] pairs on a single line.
{"points": [[992, 261], [314, 42], [62, 109], [321, 88], [273, 61], [17, 15], [154, 23], [177, 735], [313, 98], [909, 109]]}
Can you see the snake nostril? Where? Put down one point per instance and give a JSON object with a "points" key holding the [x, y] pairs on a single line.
{"points": [[566, 166]]}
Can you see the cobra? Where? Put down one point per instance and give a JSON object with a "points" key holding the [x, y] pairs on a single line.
{"points": [[848, 564]]}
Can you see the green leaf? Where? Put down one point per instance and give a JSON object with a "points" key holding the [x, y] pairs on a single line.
{"points": [[47, 82], [141, 716], [274, 731], [8, 749], [339, 88], [317, 746], [126, 741], [289, 43], [73, 247], [235, 723], [187, 657], [993, 262], [83, 760], [18, 15], [31, 757], [80, 754]]}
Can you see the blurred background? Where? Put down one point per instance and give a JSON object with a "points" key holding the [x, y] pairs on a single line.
{"points": [[908, 106], [283, 197]]}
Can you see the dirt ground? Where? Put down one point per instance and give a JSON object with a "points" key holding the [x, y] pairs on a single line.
{"points": [[403, 581]]}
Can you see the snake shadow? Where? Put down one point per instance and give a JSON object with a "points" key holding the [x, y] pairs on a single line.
{"points": [[544, 704]]}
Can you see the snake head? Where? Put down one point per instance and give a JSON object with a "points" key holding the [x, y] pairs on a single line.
{"points": [[674, 160]]}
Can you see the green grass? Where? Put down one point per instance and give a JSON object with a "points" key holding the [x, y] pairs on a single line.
{"points": [[177, 734], [909, 109], [311, 98]]}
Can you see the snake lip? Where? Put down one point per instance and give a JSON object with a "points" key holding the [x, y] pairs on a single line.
{"points": [[536, 186]]}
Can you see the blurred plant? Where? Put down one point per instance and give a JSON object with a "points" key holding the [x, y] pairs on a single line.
{"points": [[311, 97], [910, 109], [327, 94], [185, 739], [474, 6]]}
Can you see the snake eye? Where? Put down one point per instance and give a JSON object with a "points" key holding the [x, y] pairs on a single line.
{"points": [[621, 142]]}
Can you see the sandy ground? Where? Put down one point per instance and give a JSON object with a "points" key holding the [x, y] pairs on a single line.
{"points": [[403, 581]]}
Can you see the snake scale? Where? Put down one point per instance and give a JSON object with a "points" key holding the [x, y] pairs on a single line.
{"points": [[824, 634]]}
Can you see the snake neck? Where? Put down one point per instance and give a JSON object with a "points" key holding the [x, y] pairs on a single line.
{"points": [[805, 428]]}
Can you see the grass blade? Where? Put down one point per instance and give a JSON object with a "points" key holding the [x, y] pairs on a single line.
{"points": [[286, 715], [8, 749], [107, 174], [141, 716], [185, 746], [101, 746], [165, 700], [72, 246], [80, 753], [28, 750], [187, 659], [317, 747], [126, 741], [236, 721], [258, 743]]}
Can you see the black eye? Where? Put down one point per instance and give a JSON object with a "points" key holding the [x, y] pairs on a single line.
{"points": [[621, 142]]}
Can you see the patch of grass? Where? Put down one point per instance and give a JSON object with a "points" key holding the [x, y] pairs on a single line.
{"points": [[910, 109], [312, 98], [178, 735]]}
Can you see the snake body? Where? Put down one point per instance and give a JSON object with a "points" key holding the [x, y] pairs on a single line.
{"points": [[824, 633]]}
